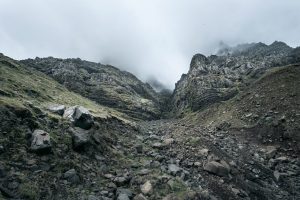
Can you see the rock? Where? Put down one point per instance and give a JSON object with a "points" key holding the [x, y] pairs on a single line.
{"points": [[281, 159], [93, 197], [69, 113], [123, 197], [220, 169], [80, 116], [147, 188], [83, 118], [157, 145], [140, 197], [71, 176], [41, 142], [139, 148], [271, 152], [174, 169], [80, 138], [57, 109], [121, 180], [168, 141], [204, 152], [124, 192]]}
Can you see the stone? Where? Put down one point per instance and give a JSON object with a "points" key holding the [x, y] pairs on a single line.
{"points": [[124, 191], [71, 176], [80, 138], [203, 152], [80, 116], [83, 118], [220, 169], [123, 197], [139, 148], [121, 180], [147, 188], [174, 169], [41, 142], [140, 197], [93, 197], [271, 152], [157, 145], [69, 113], [168, 141], [57, 109]]}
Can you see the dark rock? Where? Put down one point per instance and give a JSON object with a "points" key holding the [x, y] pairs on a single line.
{"points": [[139, 148], [83, 118], [80, 138], [217, 168], [71, 176]]}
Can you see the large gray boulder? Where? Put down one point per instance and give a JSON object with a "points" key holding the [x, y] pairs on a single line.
{"points": [[80, 116], [218, 168], [83, 118], [40, 142], [80, 138]]}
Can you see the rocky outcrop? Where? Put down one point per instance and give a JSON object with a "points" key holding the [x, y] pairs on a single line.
{"points": [[104, 84], [220, 77]]}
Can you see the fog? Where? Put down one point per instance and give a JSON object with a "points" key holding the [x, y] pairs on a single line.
{"points": [[153, 39]]}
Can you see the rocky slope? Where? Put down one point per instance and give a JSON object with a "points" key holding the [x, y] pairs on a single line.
{"points": [[220, 77], [57, 144], [103, 84]]}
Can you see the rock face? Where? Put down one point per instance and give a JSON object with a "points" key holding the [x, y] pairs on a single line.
{"points": [[104, 84], [40, 142], [219, 77]]}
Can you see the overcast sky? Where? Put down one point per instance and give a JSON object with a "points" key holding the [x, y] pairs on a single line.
{"points": [[150, 38]]}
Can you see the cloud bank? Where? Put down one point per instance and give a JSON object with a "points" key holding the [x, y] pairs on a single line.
{"points": [[154, 38]]}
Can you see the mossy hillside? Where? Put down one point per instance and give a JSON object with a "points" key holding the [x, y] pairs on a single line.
{"points": [[20, 85]]}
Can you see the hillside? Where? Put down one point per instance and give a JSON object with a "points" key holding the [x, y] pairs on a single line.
{"points": [[220, 77], [73, 129], [103, 84]]}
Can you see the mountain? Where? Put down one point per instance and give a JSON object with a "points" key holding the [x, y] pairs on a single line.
{"points": [[220, 77], [73, 129], [103, 84]]}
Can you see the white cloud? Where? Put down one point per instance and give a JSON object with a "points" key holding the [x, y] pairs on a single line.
{"points": [[154, 38]]}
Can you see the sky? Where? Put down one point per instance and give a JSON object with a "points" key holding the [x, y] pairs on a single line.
{"points": [[153, 39]]}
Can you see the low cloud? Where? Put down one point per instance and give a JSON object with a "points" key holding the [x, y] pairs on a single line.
{"points": [[148, 38]]}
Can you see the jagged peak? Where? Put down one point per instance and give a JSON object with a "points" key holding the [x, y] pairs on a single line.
{"points": [[198, 58]]}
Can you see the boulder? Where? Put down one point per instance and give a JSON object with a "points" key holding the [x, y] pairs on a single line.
{"points": [[123, 196], [220, 169], [80, 138], [124, 192], [69, 113], [83, 118], [57, 109], [80, 116], [140, 197], [174, 169], [41, 142], [71, 176], [147, 188]]}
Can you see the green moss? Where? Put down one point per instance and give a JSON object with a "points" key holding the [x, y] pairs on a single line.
{"points": [[29, 190]]}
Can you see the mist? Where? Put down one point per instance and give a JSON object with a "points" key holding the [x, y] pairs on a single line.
{"points": [[155, 40]]}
